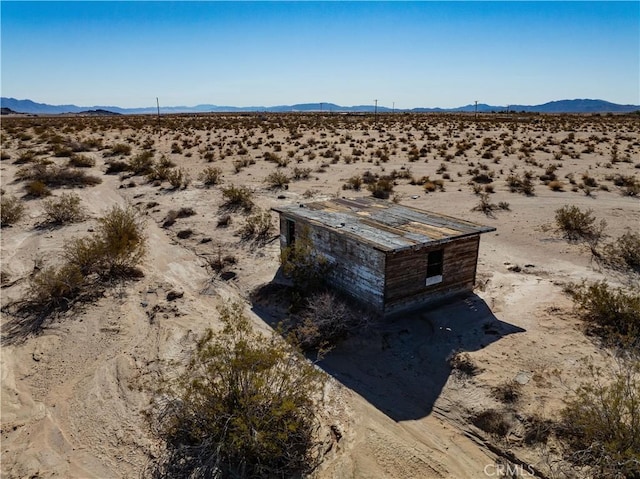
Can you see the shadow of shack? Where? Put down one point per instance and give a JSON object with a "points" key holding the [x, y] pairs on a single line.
{"points": [[391, 257]]}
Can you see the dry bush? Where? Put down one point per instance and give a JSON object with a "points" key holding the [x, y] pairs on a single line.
{"points": [[463, 364], [37, 189], [556, 185], [178, 178], [245, 406], [115, 249], [57, 176], [508, 392], [522, 184], [65, 209], [55, 287], [81, 161], [325, 320], [257, 226], [210, 176], [492, 421], [353, 183], [119, 149], [11, 210], [485, 206], [117, 166], [382, 188], [300, 173], [237, 197]]}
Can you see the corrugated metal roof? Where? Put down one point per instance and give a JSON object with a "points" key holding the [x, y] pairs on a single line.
{"points": [[385, 225]]}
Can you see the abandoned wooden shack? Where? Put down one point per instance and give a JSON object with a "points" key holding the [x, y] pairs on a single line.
{"points": [[392, 257]]}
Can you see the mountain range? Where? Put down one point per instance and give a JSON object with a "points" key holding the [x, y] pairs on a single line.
{"points": [[560, 106]]}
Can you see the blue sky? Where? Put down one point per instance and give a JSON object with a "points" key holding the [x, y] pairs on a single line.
{"points": [[412, 54]]}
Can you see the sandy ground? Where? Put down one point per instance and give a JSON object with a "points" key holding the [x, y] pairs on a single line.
{"points": [[74, 396]]}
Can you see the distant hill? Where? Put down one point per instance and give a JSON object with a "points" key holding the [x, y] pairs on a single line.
{"points": [[560, 106]]}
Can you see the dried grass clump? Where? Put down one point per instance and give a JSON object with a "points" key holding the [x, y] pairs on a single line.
{"points": [[11, 210], [65, 209]]}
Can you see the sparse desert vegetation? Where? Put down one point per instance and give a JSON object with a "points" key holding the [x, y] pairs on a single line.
{"points": [[117, 270]]}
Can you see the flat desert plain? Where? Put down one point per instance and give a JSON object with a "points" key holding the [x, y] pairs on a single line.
{"points": [[76, 387]]}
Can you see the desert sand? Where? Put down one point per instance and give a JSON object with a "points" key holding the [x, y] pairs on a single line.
{"points": [[74, 396]]}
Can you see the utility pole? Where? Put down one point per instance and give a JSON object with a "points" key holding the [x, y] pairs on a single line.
{"points": [[158, 105], [393, 108], [321, 106], [375, 115], [476, 109]]}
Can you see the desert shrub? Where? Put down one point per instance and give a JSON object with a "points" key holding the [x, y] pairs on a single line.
{"points": [[184, 234], [353, 183], [324, 320], [301, 262], [57, 176], [142, 163], [178, 178], [115, 249], [485, 206], [210, 176], [624, 252], [382, 188], [27, 156], [81, 161], [577, 225], [119, 149], [600, 426], [116, 166], [556, 185], [237, 197], [55, 287], [257, 226], [277, 180], [507, 392], [463, 364], [37, 189], [11, 210], [244, 407], [612, 313], [301, 173], [522, 184], [492, 421], [65, 209]]}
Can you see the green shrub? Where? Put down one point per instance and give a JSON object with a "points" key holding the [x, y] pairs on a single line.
{"points": [[65, 209], [353, 183], [612, 313], [306, 267], [244, 407], [142, 163], [57, 176], [600, 424], [178, 178], [237, 197], [577, 225], [624, 252], [257, 226], [11, 210]]}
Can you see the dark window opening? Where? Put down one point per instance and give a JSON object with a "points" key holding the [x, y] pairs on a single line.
{"points": [[434, 267], [291, 232]]}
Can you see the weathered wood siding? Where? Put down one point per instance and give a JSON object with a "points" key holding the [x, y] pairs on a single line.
{"points": [[358, 269], [406, 273]]}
